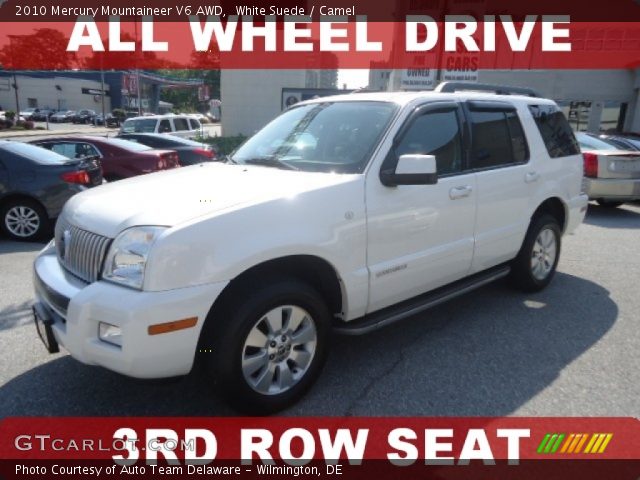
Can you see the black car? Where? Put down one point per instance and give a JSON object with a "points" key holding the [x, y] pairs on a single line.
{"points": [[190, 152], [84, 116], [42, 115], [34, 185], [112, 121]]}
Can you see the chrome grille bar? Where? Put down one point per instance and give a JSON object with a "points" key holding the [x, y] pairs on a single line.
{"points": [[79, 251]]}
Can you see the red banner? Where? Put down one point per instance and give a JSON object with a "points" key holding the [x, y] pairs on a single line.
{"points": [[417, 42], [454, 447]]}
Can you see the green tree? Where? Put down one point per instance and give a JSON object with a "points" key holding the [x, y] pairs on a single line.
{"points": [[45, 49]]}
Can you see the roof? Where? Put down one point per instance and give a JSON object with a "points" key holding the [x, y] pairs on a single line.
{"points": [[404, 98]]}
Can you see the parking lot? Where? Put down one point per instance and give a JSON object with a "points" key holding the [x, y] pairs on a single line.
{"points": [[573, 349], [209, 130]]}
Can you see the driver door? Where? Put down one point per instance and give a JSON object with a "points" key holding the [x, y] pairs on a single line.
{"points": [[421, 237]]}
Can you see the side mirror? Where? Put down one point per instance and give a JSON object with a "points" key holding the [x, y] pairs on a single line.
{"points": [[413, 169]]}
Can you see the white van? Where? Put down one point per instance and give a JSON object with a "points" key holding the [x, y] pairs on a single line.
{"points": [[180, 125]]}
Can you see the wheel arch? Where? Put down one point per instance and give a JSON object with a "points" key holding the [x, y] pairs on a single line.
{"points": [[21, 196], [555, 207], [314, 270]]}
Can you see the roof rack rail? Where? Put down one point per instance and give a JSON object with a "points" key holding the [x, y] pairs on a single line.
{"points": [[451, 87]]}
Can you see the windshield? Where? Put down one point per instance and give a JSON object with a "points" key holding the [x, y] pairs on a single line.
{"points": [[320, 137], [142, 125], [587, 142]]}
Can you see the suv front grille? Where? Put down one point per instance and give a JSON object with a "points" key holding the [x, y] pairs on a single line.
{"points": [[80, 252]]}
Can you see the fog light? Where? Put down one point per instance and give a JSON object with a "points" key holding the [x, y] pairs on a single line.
{"points": [[110, 334]]}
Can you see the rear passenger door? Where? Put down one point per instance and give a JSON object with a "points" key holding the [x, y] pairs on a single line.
{"points": [[499, 155]]}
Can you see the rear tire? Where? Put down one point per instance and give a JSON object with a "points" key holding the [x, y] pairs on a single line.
{"points": [[534, 267], [268, 346], [24, 219], [609, 203]]}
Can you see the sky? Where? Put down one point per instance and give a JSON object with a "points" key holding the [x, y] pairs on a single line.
{"points": [[354, 78]]}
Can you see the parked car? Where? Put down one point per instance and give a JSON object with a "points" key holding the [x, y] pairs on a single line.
{"points": [[111, 120], [42, 115], [179, 125], [202, 118], [120, 158], [612, 174], [34, 185], [62, 116], [84, 116], [625, 142], [344, 214], [26, 114], [189, 151]]}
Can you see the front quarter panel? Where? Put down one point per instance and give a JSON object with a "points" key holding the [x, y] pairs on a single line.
{"points": [[328, 222]]}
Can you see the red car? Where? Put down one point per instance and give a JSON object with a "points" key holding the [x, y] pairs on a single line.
{"points": [[120, 158]]}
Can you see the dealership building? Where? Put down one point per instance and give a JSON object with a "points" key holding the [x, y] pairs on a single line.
{"points": [[593, 100], [76, 90]]}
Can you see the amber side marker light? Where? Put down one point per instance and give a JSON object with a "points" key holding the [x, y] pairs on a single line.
{"points": [[159, 328]]}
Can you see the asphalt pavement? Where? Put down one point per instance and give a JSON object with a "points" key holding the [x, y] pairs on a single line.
{"points": [[571, 350]]}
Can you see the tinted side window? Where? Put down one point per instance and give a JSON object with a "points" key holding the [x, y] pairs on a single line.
{"points": [[518, 140], [195, 124], [555, 131], [165, 126], [438, 134], [491, 141], [180, 124]]}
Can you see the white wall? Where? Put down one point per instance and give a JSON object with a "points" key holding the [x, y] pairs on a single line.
{"points": [[568, 85], [48, 96], [252, 98]]}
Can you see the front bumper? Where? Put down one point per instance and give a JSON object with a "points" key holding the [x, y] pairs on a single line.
{"points": [[612, 188], [77, 308]]}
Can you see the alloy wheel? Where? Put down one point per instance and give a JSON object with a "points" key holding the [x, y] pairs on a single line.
{"points": [[22, 221], [543, 255], [279, 349]]}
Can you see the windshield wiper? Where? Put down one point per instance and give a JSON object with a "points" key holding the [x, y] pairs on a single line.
{"points": [[269, 161]]}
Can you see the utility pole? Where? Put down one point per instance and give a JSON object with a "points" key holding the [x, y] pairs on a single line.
{"points": [[15, 89], [103, 93], [15, 78]]}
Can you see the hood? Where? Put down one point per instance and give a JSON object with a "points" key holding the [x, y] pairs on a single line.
{"points": [[183, 194]]}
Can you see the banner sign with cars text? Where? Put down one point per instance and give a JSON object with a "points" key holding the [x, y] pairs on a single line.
{"points": [[310, 447], [324, 35]]}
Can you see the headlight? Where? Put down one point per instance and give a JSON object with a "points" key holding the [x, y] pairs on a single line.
{"points": [[127, 257]]}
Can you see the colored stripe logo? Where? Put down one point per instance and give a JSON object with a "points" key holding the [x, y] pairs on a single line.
{"points": [[574, 443]]}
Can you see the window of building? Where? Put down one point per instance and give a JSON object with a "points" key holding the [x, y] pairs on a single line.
{"points": [[32, 102]]}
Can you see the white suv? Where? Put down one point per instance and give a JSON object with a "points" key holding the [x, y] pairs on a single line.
{"points": [[344, 214]]}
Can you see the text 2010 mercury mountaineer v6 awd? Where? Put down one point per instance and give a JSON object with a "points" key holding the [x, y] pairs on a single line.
{"points": [[343, 214]]}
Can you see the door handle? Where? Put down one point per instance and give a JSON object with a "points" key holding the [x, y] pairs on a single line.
{"points": [[460, 192], [531, 177]]}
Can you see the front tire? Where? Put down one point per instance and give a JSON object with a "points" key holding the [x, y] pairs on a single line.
{"points": [[23, 220], [268, 347], [534, 267]]}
